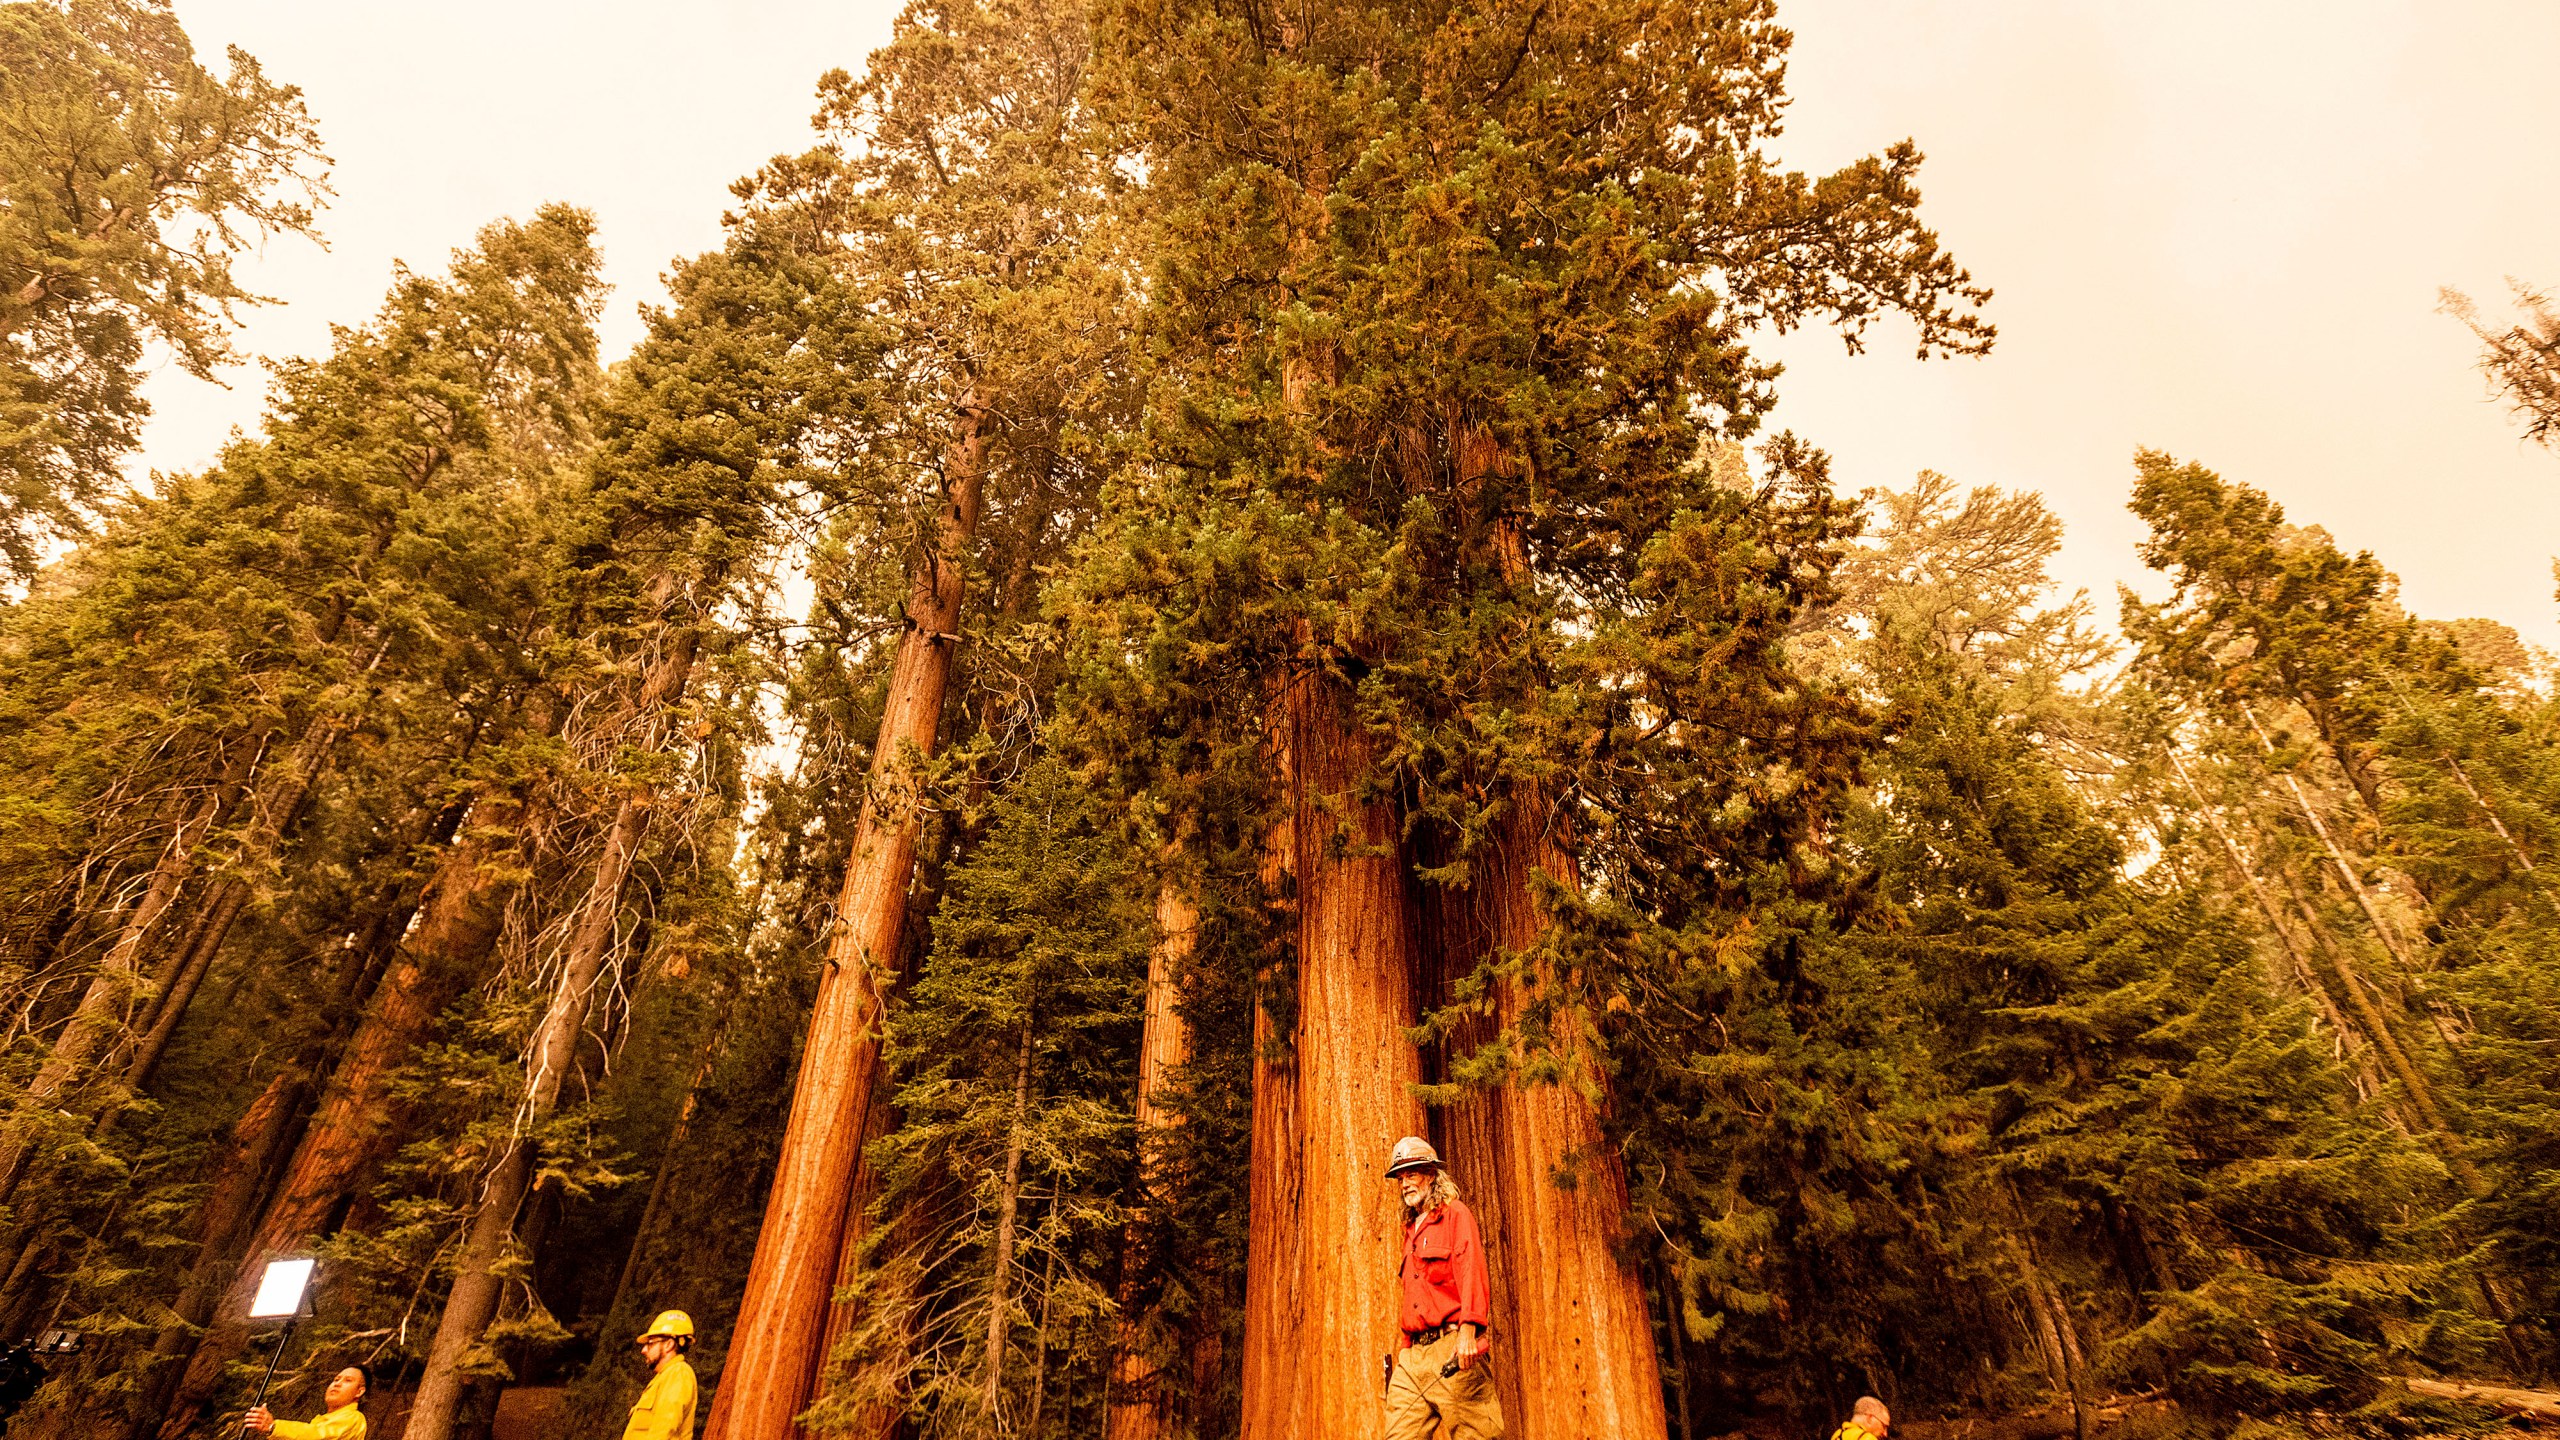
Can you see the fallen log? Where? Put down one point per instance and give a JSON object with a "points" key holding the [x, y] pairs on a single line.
{"points": [[2538, 1404]]}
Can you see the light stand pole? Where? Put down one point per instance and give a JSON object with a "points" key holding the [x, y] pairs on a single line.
{"points": [[283, 1338]]}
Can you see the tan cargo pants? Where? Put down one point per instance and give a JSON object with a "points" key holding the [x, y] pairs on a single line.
{"points": [[1465, 1402]]}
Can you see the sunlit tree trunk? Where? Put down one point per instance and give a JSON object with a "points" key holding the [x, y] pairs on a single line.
{"points": [[1355, 1073], [1140, 1408], [776, 1353]]}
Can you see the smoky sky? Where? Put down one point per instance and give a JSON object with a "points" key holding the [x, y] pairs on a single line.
{"points": [[2216, 229]]}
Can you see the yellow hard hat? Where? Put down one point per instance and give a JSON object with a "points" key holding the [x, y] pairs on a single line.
{"points": [[670, 1324]]}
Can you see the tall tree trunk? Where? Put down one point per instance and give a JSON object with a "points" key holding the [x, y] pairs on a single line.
{"points": [[1356, 1069], [101, 1012], [1576, 1353], [477, 1287], [2489, 813], [1008, 1207], [220, 915], [2349, 1038], [1140, 1407], [1274, 1306], [776, 1353], [458, 922], [256, 1146], [2053, 1318], [2377, 1027], [2382, 930], [254, 1152]]}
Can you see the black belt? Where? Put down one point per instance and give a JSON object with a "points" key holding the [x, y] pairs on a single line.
{"points": [[1425, 1337]]}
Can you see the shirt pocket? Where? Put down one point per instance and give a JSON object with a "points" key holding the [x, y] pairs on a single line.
{"points": [[1435, 1253]]}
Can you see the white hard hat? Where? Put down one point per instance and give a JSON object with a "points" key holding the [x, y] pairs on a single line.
{"points": [[1412, 1153]]}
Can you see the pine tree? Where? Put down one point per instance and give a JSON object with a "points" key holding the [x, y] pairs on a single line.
{"points": [[134, 176]]}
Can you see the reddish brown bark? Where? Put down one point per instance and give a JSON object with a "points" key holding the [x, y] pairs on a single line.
{"points": [[1570, 1314], [1273, 1307], [1140, 1408], [1574, 1350], [242, 1172], [776, 1354], [1353, 1094], [458, 923]]}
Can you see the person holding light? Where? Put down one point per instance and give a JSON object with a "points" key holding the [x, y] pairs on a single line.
{"points": [[342, 1421]]}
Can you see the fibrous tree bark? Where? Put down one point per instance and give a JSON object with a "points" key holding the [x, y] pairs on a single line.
{"points": [[1274, 1309], [775, 1354], [1140, 1407], [1355, 1073], [1549, 1190]]}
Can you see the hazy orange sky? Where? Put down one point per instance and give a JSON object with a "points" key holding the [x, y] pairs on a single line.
{"points": [[2215, 228]]}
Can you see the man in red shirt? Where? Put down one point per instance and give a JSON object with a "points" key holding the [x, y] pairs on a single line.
{"points": [[1443, 1370]]}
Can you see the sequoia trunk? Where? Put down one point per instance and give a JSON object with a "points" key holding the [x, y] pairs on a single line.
{"points": [[1549, 1191], [776, 1353], [1355, 1073], [1274, 1307]]}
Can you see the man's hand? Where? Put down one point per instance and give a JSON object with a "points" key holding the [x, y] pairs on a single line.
{"points": [[260, 1420], [1471, 1343]]}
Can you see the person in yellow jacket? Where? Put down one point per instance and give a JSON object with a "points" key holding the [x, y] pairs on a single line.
{"points": [[1868, 1420], [665, 1409], [342, 1422]]}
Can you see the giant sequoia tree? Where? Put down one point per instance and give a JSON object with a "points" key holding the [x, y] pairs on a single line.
{"points": [[965, 193], [1448, 304]]}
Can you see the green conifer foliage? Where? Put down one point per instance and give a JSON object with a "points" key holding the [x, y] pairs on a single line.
{"points": [[132, 177], [1002, 1186]]}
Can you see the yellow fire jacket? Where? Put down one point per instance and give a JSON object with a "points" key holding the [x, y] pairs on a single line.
{"points": [[344, 1423], [665, 1410]]}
